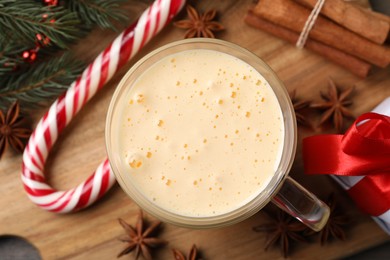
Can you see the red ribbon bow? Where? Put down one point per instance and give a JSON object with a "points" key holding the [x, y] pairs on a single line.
{"points": [[363, 150]]}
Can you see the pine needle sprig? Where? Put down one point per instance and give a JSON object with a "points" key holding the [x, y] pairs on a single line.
{"points": [[27, 18], [11, 56], [40, 83], [98, 12], [31, 36]]}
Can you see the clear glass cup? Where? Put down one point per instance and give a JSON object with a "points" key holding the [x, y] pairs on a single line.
{"points": [[281, 190]]}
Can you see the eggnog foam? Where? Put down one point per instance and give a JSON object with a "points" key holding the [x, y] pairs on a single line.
{"points": [[201, 133]]}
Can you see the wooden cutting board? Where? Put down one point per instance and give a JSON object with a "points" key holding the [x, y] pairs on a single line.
{"points": [[93, 233]]}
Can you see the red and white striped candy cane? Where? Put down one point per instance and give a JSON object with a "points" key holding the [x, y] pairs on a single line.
{"points": [[124, 47]]}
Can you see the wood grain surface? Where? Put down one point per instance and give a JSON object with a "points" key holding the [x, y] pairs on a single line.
{"points": [[93, 233]]}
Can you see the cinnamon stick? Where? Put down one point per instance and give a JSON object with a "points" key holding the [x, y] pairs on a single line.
{"points": [[351, 63], [381, 16], [293, 16], [353, 18]]}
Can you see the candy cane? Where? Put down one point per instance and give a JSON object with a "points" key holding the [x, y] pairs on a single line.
{"points": [[123, 48]]}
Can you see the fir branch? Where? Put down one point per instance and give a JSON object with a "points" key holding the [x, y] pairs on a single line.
{"points": [[11, 56], [99, 12], [26, 18], [40, 83]]}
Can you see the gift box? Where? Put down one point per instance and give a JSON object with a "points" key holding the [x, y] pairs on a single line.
{"points": [[359, 161]]}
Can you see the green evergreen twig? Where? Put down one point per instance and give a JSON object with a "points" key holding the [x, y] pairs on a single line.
{"points": [[11, 57], [40, 83], [22, 20], [99, 12]]}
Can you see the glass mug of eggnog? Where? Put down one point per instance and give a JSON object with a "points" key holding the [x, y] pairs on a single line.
{"points": [[201, 133]]}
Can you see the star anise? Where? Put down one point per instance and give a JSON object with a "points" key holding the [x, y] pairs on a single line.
{"points": [[335, 105], [139, 239], [192, 255], [299, 106], [12, 131], [282, 229], [336, 223], [199, 25]]}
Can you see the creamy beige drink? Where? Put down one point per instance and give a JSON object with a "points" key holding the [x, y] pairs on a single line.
{"points": [[201, 133]]}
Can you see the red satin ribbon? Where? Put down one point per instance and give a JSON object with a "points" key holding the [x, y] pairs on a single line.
{"points": [[363, 150]]}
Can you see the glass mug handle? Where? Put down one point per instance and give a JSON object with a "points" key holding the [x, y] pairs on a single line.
{"points": [[302, 204]]}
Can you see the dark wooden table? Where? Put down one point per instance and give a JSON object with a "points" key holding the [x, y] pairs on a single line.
{"points": [[93, 233]]}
